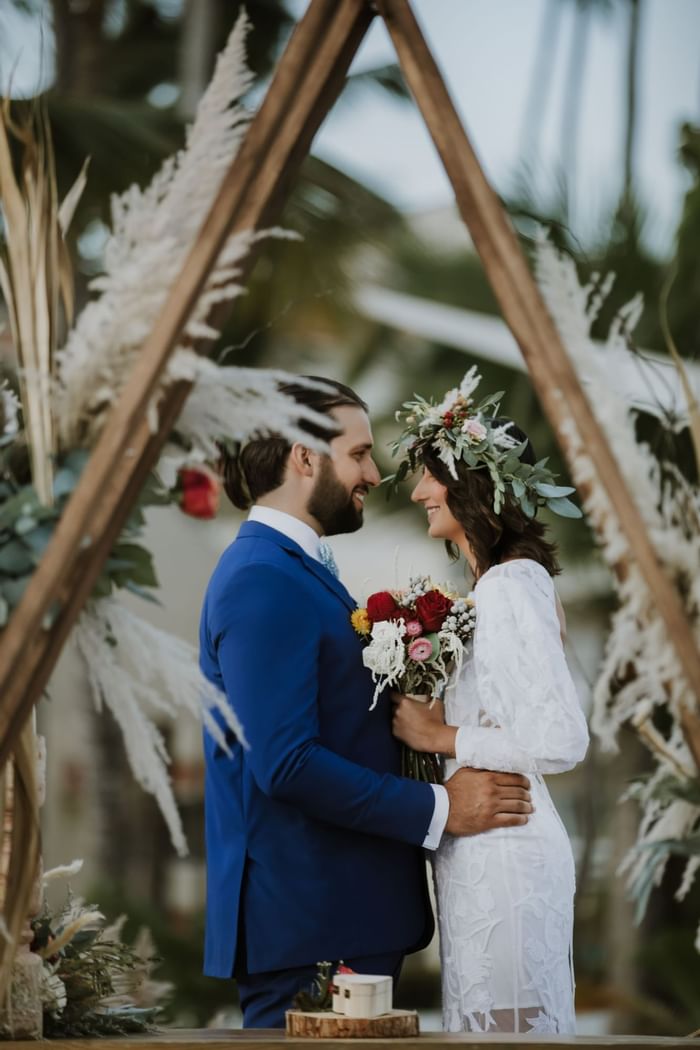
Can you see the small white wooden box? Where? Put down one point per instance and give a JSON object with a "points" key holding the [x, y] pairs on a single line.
{"points": [[362, 994]]}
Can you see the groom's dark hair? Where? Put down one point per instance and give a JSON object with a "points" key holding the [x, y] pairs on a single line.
{"points": [[252, 470]]}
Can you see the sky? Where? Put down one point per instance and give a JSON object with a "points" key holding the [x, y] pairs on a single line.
{"points": [[486, 49]]}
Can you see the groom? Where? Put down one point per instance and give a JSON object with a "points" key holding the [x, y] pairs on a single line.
{"points": [[313, 839]]}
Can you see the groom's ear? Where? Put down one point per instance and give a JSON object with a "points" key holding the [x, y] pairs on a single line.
{"points": [[301, 460]]}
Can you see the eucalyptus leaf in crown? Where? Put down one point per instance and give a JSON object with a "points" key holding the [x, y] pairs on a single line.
{"points": [[463, 428]]}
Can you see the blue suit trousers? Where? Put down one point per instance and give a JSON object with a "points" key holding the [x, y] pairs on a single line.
{"points": [[264, 997]]}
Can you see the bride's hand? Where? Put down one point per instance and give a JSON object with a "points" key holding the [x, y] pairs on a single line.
{"points": [[422, 725]]}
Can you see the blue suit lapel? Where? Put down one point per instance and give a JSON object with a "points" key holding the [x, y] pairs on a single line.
{"points": [[255, 529], [332, 582]]}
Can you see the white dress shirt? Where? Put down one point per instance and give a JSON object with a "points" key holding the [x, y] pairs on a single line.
{"points": [[310, 541], [294, 528]]}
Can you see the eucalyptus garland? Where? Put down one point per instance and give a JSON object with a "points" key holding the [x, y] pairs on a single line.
{"points": [[461, 429], [27, 524]]}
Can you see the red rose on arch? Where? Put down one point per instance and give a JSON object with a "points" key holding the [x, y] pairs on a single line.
{"points": [[382, 606], [433, 608], [200, 489]]}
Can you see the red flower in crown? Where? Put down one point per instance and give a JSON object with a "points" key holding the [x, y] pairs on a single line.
{"points": [[382, 606], [200, 492], [433, 608]]}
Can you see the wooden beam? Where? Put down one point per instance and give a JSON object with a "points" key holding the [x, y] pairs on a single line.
{"points": [[308, 80], [553, 375]]}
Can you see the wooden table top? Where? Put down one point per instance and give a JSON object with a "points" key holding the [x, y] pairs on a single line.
{"points": [[272, 1038]]}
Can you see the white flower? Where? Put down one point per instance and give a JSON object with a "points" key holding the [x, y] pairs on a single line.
{"points": [[385, 655]]}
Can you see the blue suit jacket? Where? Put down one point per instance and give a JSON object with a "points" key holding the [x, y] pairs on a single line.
{"points": [[312, 836]]}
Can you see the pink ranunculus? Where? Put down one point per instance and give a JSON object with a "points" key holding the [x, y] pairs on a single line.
{"points": [[420, 650], [475, 429], [414, 628]]}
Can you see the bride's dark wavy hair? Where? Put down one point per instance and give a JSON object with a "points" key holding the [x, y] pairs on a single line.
{"points": [[492, 537]]}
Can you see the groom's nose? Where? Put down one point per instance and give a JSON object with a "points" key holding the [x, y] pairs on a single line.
{"points": [[372, 475]]}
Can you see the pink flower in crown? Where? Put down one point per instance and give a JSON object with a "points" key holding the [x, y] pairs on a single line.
{"points": [[420, 650], [413, 628], [475, 429]]}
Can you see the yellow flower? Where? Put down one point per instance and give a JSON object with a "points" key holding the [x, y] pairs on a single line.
{"points": [[361, 621]]}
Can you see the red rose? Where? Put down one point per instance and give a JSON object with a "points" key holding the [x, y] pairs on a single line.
{"points": [[432, 609], [449, 419], [382, 606], [200, 491]]}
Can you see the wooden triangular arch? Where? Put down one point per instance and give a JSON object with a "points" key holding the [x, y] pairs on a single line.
{"points": [[308, 80]]}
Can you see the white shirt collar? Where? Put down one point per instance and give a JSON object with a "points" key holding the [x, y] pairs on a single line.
{"points": [[291, 527]]}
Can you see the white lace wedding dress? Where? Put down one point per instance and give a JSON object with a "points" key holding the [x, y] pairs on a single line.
{"points": [[505, 898]]}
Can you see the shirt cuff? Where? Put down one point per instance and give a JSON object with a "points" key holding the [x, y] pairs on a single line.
{"points": [[440, 815], [462, 746]]}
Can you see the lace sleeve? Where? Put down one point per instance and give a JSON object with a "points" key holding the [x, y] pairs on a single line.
{"points": [[523, 681]]}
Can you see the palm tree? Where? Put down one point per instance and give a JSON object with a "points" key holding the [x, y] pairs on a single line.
{"points": [[540, 85], [108, 104], [633, 36]]}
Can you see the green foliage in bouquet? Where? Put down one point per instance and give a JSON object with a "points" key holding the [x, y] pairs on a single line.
{"points": [[421, 765]]}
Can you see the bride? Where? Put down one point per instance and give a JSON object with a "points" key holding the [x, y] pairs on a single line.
{"points": [[505, 897]]}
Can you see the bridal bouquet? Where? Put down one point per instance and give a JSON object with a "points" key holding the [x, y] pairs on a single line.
{"points": [[415, 641]]}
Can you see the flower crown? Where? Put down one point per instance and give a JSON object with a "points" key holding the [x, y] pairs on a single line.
{"points": [[461, 429]]}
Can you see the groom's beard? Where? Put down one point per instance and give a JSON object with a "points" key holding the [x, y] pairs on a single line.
{"points": [[332, 505]]}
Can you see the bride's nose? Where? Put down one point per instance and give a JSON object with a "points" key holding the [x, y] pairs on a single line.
{"points": [[418, 495]]}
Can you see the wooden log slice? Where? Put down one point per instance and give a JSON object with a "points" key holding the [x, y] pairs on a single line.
{"points": [[327, 1025]]}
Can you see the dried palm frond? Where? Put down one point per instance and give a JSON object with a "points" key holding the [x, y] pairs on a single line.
{"points": [[35, 272], [153, 230], [668, 504], [233, 404], [142, 674], [641, 672]]}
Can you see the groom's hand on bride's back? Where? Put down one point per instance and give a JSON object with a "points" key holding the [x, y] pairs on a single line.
{"points": [[481, 800]]}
